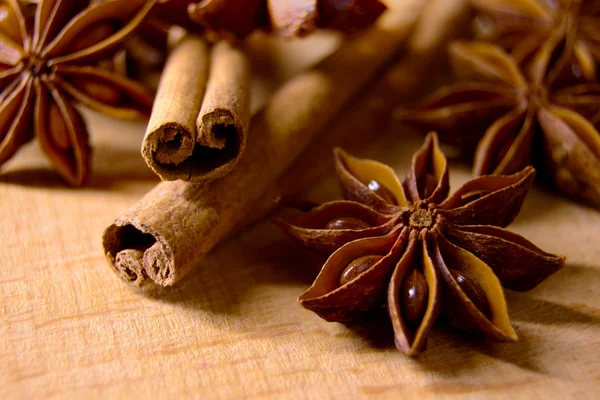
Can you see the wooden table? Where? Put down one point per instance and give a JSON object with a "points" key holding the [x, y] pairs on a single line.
{"points": [[232, 329]]}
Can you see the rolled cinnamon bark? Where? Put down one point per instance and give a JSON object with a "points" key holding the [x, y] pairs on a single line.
{"points": [[185, 221], [198, 127]]}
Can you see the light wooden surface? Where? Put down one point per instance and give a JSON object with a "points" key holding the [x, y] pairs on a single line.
{"points": [[232, 328]]}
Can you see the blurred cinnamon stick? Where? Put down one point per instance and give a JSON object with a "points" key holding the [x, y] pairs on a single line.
{"points": [[178, 223], [412, 76], [198, 127]]}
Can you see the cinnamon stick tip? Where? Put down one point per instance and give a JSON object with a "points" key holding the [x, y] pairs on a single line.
{"points": [[137, 257]]}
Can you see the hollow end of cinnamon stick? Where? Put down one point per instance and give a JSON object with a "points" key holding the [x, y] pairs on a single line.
{"points": [[171, 144], [174, 153], [137, 256], [222, 140]]}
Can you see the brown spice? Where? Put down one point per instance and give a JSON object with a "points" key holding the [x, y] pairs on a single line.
{"points": [[512, 103], [445, 249], [45, 71]]}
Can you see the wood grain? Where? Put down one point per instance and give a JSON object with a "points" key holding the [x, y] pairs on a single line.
{"points": [[232, 329]]}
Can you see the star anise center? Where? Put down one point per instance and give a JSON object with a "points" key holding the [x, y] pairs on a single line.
{"points": [[37, 66], [537, 94], [421, 218]]}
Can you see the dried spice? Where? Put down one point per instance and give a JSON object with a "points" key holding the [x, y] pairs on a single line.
{"points": [[50, 60], [236, 18], [426, 253], [522, 26], [540, 113]]}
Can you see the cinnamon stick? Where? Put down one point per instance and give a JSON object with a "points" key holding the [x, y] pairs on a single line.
{"points": [[198, 127], [186, 220]]}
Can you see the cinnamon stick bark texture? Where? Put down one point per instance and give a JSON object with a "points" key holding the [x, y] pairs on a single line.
{"points": [[200, 118], [179, 222]]}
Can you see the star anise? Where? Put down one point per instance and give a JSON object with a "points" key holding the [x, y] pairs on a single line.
{"points": [[238, 18], [535, 113], [422, 251], [523, 26], [50, 59]]}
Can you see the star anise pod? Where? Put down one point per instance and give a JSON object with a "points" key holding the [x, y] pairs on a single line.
{"points": [[238, 18], [423, 252], [533, 114], [49, 61], [524, 25]]}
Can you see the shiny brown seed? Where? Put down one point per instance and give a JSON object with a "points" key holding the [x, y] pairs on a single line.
{"points": [[347, 223], [427, 184], [357, 267], [9, 24], [58, 129], [473, 291], [98, 91], [383, 192], [414, 294], [93, 35]]}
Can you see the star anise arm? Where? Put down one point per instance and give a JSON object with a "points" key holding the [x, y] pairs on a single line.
{"points": [[369, 182], [583, 99], [477, 61], [414, 296], [551, 59], [354, 279], [515, 12], [50, 18], [491, 86], [11, 53], [427, 178], [62, 134], [473, 299], [9, 79], [572, 147], [103, 91], [450, 107], [328, 227], [585, 61], [506, 145], [518, 263], [12, 26], [15, 117], [512, 23], [118, 20], [488, 200]]}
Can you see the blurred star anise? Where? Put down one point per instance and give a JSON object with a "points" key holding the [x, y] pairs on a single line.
{"points": [[522, 26], [423, 252], [50, 60], [237, 18], [540, 113]]}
